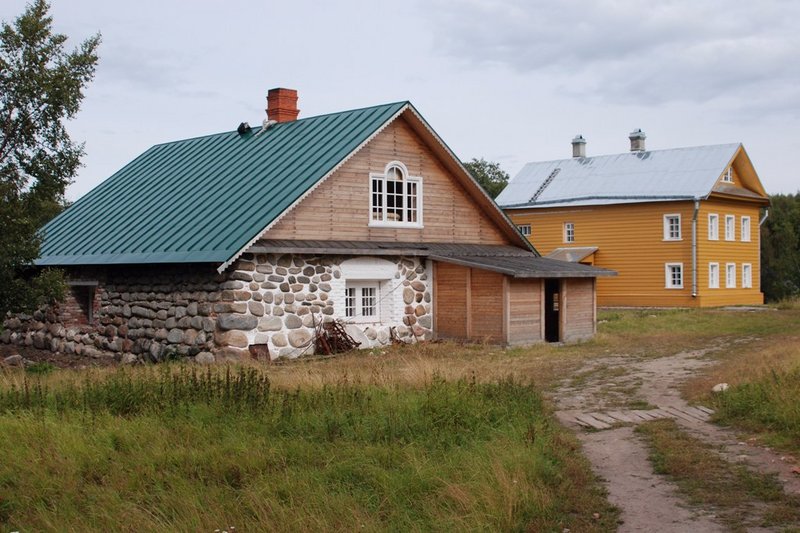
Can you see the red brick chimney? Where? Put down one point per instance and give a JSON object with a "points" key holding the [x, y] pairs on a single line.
{"points": [[282, 105]]}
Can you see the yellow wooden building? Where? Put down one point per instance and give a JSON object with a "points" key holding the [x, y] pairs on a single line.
{"points": [[680, 226]]}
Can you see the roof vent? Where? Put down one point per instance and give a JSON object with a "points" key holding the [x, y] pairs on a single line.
{"points": [[637, 138], [243, 128], [579, 146]]}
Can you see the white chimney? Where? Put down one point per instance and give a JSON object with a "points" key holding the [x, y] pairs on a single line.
{"points": [[637, 138], [579, 146]]}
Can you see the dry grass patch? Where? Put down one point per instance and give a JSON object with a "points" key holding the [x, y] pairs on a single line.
{"points": [[742, 498]]}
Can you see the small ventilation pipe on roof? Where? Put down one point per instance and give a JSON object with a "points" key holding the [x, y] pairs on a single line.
{"points": [[694, 247], [578, 146], [243, 128], [637, 138]]}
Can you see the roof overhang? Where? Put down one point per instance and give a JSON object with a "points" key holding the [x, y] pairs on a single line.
{"points": [[527, 267]]}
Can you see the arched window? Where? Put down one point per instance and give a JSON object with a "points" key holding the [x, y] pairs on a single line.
{"points": [[395, 197]]}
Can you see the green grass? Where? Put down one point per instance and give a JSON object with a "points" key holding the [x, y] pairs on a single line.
{"points": [[741, 497], [768, 405], [177, 449]]}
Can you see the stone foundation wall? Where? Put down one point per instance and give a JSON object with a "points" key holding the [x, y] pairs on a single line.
{"points": [[153, 314]]}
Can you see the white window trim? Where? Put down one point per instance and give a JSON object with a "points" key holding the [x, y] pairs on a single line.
{"points": [[408, 178], [358, 317], [715, 284], [713, 236], [566, 234], [732, 235], [666, 227], [524, 229], [727, 176], [730, 267], [745, 235], [668, 275], [747, 281]]}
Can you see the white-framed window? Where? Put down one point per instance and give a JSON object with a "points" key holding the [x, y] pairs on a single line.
{"points": [[673, 273], [730, 275], [747, 276], [727, 177], [745, 229], [569, 232], [525, 229], [361, 301], [395, 197], [713, 275], [713, 227], [672, 227], [730, 228]]}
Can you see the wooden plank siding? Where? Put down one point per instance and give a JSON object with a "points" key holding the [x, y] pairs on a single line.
{"points": [[630, 240], [578, 320], [451, 284], [487, 306], [339, 208], [524, 311]]}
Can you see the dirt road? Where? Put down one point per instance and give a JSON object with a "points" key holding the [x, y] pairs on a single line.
{"points": [[609, 396]]}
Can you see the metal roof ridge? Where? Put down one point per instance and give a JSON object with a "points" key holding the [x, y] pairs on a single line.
{"points": [[679, 148]]}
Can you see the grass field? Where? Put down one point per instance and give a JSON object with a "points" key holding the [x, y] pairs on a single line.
{"points": [[182, 449], [426, 437]]}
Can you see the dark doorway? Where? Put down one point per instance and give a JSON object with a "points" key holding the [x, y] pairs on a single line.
{"points": [[552, 290]]}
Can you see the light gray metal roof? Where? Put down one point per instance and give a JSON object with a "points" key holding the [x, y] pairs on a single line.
{"points": [[574, 254], [651, 176]]}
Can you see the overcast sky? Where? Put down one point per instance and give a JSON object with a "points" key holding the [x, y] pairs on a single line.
{"points": [[509, 80]]}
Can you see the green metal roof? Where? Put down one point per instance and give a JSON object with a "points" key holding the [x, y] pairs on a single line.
{"points": [[205, 199]]}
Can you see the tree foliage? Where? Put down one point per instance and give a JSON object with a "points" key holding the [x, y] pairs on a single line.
{"points": [[492, 178], [41, 87], [780, 248]]}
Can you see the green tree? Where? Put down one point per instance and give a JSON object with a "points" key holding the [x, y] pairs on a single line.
{"points": [[41, 87], [492, 178], [780, 248]]}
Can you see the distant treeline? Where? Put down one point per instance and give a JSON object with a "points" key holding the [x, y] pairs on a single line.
{"points": [[780, 248]]}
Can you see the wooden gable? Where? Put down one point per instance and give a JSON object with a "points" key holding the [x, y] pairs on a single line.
{"points": [[743, 174], [338, 209]]}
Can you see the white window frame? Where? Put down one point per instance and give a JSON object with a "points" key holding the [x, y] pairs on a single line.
{"points": [[668, 279], [730, 227], [406, 179], [730, 275], [713, 227], [713, 275], [747, 276], [727, 176], [668, 227], [355, 312], [524, 229], [569, 232], [745, 229]]}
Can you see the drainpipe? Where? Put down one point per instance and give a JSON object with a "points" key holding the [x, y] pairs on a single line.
{"points": [[694, 247], [764, 218]]}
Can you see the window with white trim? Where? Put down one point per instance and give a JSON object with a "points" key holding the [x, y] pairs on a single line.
{"points": [[713, 227], [395, 197], [727, 177], [713, 275], [569, 232], [361, 301], [525, 229], [730, 275], [674, 275], [672, 227], [730, 228], [745, 229], [747, 276]]}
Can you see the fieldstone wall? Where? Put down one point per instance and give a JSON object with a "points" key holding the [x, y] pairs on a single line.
{"points": [[276, 301], [280, 299]]}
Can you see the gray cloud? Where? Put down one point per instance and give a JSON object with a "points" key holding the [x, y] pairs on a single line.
{"points": [[637, 52]]}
